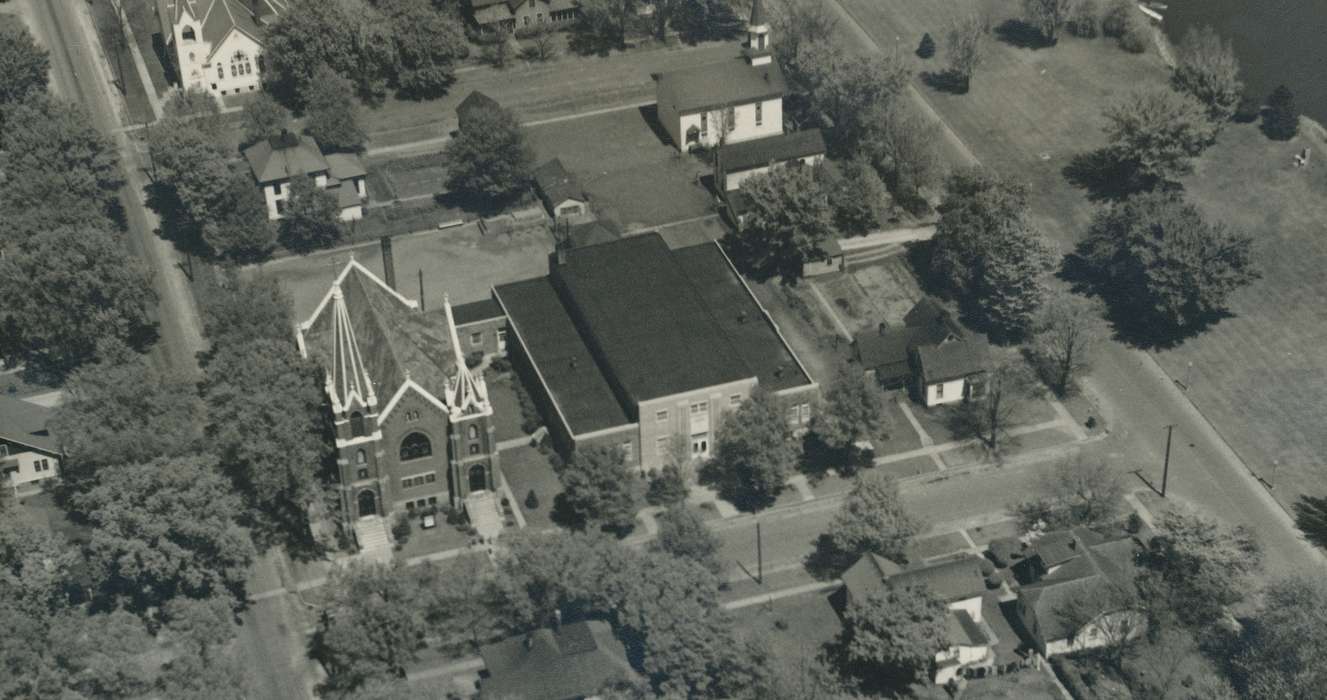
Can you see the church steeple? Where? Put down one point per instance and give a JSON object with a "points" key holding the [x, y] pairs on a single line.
{"points": [[757, 49]]}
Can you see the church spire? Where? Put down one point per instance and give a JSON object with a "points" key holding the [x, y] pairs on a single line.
{"points": [[349, 379], [757, 50], [468, 393]]}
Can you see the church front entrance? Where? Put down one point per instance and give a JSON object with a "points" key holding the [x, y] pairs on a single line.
{"points": [[368, 504], [478, 480]]}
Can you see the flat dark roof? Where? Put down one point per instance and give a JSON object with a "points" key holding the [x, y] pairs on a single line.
{"points": [[645, 320], [568, 369], [476, 311], [758, 153]]}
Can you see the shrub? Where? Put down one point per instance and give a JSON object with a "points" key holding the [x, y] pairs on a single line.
{"points": [[926, 49], [666, 487], [1281, 120], [500, 365], [474, 359], [531, 500], [1085, 19], [401, 529], [1135, 38], [530, 420], [1134, 523], [1248, 109], [1118, 16]]}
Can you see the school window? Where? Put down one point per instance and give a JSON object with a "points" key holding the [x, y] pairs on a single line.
{"points": [[661, 446], [704, 124], [527, 20], [221, 71], [792, 414], [628, 453], [699, 408], [760, 113], [730, 118], [661, 416], [805, 410], [735, 400], [939, 391], [430, 478], [476, 338]]}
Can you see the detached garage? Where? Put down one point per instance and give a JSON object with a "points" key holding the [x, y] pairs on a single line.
{"points": [[560, 191]]}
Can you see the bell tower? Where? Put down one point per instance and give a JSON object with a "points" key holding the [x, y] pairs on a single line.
{"points": [[757, 49]]}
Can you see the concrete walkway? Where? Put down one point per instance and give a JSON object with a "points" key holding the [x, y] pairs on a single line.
{"points": [[839, 325], [817, 587], [140, 65]]}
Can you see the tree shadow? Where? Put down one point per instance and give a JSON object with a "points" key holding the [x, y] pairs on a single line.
{"points": [[1311, 519], [1103, 175], [827, 562], [946, 81], [1020, 34], [731, 489]]}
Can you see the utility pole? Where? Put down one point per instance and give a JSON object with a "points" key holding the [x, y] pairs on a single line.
{"points": [[1165, 469], [760, 557]]}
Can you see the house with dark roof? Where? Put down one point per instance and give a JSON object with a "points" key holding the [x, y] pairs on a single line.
{"points": [[628, 344], [517, 15], [276, 160], [930, 352], [738, 99], [567, 662], [29, 453], [1075, 565], [739, 161], [959, 583], [217, 45], [560, 191], [412, 423]]}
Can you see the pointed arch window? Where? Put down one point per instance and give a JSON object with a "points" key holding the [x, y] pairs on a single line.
{"points": [[360, 457], [415, 446], [473, 432], [356, 424]]}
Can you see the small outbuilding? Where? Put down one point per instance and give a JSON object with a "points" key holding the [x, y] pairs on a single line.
{"points": [[560, 191]]}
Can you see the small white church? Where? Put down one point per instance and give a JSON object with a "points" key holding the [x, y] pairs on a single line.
{"points": [[217, 45]]}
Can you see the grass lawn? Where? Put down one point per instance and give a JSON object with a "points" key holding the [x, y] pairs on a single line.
{"points": [[506, 407], [121, 63], [1029, 684], [437, 539], [936, 546], [390, 179], [527, 469], [811, 334], [147, 35], [794, 628], [984, 534], [569, 85], [632, 176], [459, 261], [1261, 375]]}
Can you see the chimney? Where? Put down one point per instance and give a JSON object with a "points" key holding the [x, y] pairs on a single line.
{"points": [[529, 641], [557, 620], [388, 264], [561, 253], [881, 328]]}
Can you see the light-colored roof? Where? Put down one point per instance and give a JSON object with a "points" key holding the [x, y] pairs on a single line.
{"points": [[344, 166]]}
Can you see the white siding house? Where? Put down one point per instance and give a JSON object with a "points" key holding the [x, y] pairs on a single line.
{"points": [[29, 454], [275, 161]]}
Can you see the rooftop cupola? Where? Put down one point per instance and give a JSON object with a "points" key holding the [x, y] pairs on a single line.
{"points": [[757, 49]]}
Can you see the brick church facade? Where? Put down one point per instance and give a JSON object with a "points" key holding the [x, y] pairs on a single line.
{"points": [[413, 423]]}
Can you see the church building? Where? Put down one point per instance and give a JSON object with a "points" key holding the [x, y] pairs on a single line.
{"points": [[217, 45], [413, 422]]}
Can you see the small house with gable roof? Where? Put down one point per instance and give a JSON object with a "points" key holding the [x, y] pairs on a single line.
{"points": [[276, 160]]}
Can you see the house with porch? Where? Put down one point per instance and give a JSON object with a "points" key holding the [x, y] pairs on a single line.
{"points": [[629, 343], [563, 662], [276, 160], [217, 45], [931, 353], [517, 15], [29, 453], [412, 421]]}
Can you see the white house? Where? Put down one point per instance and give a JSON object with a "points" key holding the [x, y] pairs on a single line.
{"points": [[274, 161], [739, 161], [217, 45], [726, 102], [29, 454]]}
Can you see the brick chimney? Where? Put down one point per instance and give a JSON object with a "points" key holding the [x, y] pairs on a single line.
{"points": [[388, 265]]}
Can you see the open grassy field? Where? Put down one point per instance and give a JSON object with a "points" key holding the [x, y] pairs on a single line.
{"points": [[632, 176]]}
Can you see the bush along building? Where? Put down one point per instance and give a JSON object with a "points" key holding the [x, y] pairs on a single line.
{"points": [[413, 423], [630, 343]]}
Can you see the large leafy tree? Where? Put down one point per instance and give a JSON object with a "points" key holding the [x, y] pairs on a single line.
{"points": [[798, 24], [987, 253], [490, 159], [372, 624], [895, 632], [1155, 133], [244, 309], [753, 453], [312, 218], [847, 92], [429, 41], [36, 568], [1207, 69], [857, 194], [24, 66], [1279, 653], [854, 410], [332, 116], [193, 178], [1281, 119], [705, 20], [788, 221], [66, 289], [74, 654], [1047, 16], [1311, 518], [966, 48], [347, 36], [1068, 331], [1159, 259], [596, 490], [873, 520], [461, 603], [164, 529], [1077, 491], [682, 533], [1199, 566], [904, 147], [602, 25], [240, 230], [263, 117], [123, 410], [1006, 387], [54, 157]]}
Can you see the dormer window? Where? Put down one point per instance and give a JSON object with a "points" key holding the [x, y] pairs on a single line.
{"points": [[187, 34]]}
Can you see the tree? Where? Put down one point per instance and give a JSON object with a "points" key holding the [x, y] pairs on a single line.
{"points": [[348, 37], [64, 290], [1047, 17], [753, 453], [1081, 491], [1311, 519], [846, 92], [1118, 17], [1108, 612], [967, 44], [200, 625], [372, 624], [543, 44], [199, 107], [1155, 133], [873, 520], [77, 655], [1200, 566], [601, 25], [857, 195], [24, 66], [263, 117], [1162, 262], [312, 218], [1068, 330], [854, 411], [799, 24], [682, 533], [987, 253], [788, 220], [244, 309], [903, 146], [429, 41], [165, 529], [240, 230], [596, 490], [36, 568], [460, 603], [1006, 386], [191, 177], [926, 49], [332, 115], [54, 157], [895, 632], [490, 160], [1281, 120], [706, 20], [1084, 19], [1278, 653], [1207, 69], [122, 410]]}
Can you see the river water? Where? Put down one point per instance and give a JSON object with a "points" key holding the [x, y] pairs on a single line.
{"points": [[1276, 41]]}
